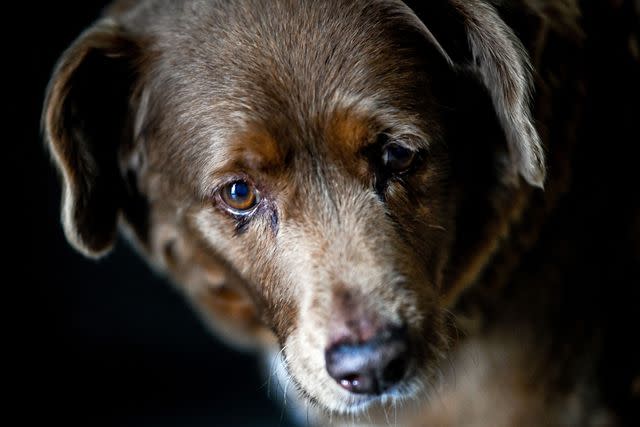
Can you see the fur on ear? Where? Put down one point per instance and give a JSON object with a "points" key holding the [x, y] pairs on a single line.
{"points": [[85, 121], [472, 36]]}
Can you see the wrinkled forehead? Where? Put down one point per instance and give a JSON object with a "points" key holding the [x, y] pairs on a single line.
{"points": [[255, 89]]}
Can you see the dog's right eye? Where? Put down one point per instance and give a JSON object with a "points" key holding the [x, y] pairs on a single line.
{"points": [[240, 197], [397, 158]]}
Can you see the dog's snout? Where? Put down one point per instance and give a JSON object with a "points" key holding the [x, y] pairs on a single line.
{"points": [[370, 367]]}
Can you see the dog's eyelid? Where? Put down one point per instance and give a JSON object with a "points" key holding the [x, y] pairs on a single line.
{"points": [[404, 129], [242, 214], [411, 142], [400, 144], [225, 179]]}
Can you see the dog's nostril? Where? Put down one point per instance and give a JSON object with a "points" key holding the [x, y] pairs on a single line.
{"points": [[352, 382], [370, 367], [395, 370]]}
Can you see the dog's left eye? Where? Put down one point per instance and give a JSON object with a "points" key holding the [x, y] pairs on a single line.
{"points": [[240, 196], [397, 158]]}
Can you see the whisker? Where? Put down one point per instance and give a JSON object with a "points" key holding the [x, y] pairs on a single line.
{"points": [[437, 227], [273, 368]]}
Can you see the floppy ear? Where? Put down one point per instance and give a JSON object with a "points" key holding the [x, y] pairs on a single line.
{"points": [[85, 122], [473, 37]]}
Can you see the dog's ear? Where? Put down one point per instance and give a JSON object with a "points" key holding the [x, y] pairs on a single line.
{"points": [[472, 37], [85, 122]]}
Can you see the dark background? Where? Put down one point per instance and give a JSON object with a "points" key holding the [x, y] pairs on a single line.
{"points": [[107, 342]]}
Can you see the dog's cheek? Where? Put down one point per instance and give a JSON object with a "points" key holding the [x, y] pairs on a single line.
{"points": [[254, 258], [422, 206], [192, 258]]}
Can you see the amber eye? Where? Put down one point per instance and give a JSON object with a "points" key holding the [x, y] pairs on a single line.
{"points": [[397, 158], [240, 196]]}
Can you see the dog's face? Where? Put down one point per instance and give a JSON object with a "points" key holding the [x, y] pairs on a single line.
{"points": [[303, 170]]}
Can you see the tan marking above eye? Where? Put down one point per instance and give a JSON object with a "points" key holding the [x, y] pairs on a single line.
{"points": [[347, 132], [257, 149]]}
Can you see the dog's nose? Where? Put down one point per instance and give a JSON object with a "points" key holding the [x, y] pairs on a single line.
{"points": [[370, 367]]}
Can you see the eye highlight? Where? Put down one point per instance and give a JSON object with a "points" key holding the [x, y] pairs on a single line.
{"points": [[240, 197], [397, 158]]}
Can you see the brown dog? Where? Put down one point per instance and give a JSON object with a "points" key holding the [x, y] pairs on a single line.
{"points": [[359, 191]]}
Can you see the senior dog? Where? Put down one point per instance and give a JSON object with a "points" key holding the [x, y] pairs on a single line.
{"points": [[360, 189]]}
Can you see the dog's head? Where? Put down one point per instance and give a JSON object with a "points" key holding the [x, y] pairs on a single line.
{"points": [[320, 173]]}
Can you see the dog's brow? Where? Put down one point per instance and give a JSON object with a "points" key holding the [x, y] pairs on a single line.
{"points": [[352, 131], [411, 137], [256, 149], [358, 120], [349, 130]]}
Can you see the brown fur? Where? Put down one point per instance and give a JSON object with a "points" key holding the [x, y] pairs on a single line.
{"points": [[299, 99]]}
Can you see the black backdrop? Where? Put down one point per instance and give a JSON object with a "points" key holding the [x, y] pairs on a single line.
{"points": [[108, 342]]}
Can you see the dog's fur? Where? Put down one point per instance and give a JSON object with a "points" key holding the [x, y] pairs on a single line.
{"points": [[515, 297]]}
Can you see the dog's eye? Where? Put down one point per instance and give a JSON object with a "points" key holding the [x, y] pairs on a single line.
{"points": [[397, 158], [240, 196]]}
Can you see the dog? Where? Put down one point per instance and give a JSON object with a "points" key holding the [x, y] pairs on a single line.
{"points": [[409, 207]]}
